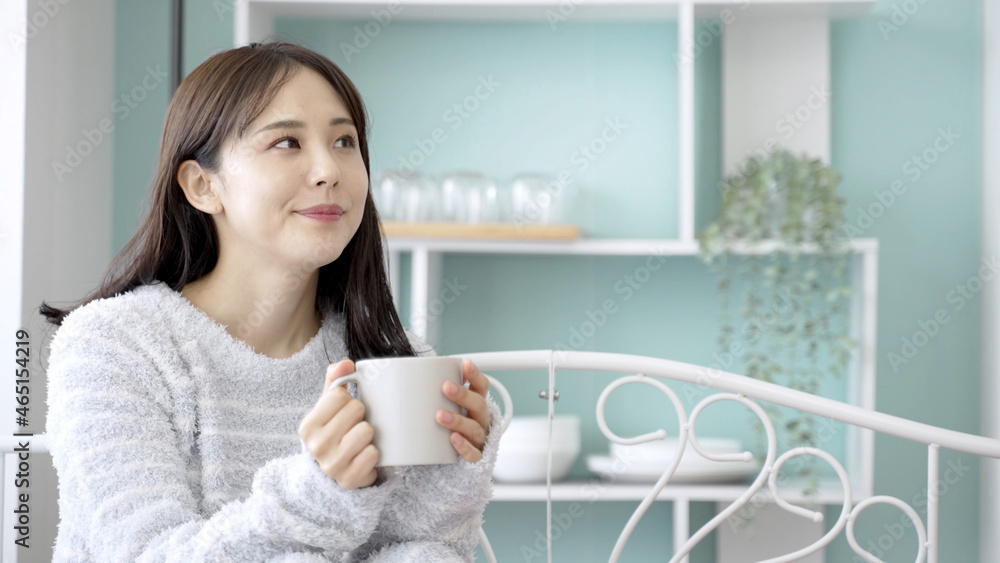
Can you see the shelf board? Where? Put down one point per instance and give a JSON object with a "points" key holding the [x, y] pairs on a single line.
{"points": [[544, 10], [595, 246], [488, 231], [595, 490]]}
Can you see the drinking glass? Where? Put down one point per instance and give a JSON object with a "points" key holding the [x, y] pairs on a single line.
{"points": [[384, 189], [470, 197], [537, 198], [409, 210], [403, 195], [452, 193]]}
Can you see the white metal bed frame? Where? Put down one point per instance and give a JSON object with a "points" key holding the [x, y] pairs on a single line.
{"points": [[745, 390], [733, 387]]}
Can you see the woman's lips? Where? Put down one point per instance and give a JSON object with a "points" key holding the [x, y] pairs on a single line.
{"points": [[326, 213], [323, 217]]}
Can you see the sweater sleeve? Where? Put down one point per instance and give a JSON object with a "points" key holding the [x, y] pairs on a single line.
{"points": [[437, 509], [124, 488]]}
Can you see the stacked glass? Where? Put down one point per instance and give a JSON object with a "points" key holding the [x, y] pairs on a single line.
{"points": [[464, 196]]}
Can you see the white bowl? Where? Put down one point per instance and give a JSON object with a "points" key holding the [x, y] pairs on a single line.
{"points": [[528, 463], [562, 425], [532, 432], [524, 448]]}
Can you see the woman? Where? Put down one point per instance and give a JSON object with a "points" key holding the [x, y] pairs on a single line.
{"points": [[189, 414]]}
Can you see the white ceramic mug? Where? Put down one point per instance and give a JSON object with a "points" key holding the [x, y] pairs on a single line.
{"points": [[401, 398]]}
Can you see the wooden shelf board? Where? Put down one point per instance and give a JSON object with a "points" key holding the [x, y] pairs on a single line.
{"points": [[591, 247], [487, 231]]}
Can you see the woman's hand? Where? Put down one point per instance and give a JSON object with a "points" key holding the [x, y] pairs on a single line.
{"points": [[468, 432], [336, 434]]}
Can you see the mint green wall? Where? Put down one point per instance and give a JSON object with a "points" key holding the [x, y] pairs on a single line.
{"points": [[142, 39], [890, 96]]}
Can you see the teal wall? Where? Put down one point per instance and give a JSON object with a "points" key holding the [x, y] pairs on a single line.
{"points": [[891, 94], [555, 89], [142, 39]]}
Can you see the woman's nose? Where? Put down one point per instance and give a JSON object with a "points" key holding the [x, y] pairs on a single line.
{"points": [[324, 168]]}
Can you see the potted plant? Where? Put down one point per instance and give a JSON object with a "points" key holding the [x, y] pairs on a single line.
{"points": [[793, 322]]}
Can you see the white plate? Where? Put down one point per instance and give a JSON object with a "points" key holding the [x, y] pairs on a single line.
{"points": [[700, 471], [667, 448]]}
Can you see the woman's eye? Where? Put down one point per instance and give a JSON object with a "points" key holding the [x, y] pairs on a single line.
{"points": [[349, 139], [290, 139]]}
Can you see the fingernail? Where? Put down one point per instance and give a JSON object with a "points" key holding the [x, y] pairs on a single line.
{"points": [[445, 416], [450, 387]]}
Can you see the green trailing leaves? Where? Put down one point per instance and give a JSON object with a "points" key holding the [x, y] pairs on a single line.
{"points": [[792, 313]]}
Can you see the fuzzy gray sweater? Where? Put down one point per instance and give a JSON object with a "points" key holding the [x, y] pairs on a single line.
{"points": [[175, 441]]}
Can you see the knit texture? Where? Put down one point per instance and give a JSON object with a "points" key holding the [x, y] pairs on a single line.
{"points": [[175, 441]]}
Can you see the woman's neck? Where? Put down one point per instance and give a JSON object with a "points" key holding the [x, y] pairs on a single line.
{"points": [[276, 319]]}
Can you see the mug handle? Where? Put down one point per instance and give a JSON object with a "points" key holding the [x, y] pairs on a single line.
{"points": [[508, 404], [343, 379]]}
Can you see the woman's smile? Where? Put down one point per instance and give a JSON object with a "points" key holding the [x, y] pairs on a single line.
{"points": [[323, 213]]}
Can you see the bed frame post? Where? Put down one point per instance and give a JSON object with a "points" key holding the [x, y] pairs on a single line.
{"points": [[932, 503], [682, 525]]}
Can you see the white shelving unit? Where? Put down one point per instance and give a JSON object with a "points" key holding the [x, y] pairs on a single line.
{"points": [[426, 256], [762, 41], [255, 18]]}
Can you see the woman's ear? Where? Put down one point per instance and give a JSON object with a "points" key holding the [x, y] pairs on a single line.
{"points": [[198, 188]]}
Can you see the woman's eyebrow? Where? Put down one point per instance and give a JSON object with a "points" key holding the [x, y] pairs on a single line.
{"points": [[296, 124]]}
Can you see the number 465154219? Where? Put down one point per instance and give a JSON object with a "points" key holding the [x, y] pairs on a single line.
{"points": [[22, 352]]}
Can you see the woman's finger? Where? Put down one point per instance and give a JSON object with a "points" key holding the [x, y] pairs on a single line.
{"points": [[465, 449], [468, 428], [329, 402], [335, 370], [361, 470], [474, 403], [478, 382]]}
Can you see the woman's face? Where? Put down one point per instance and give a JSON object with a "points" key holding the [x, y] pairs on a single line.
{"points": [[302, 151]]}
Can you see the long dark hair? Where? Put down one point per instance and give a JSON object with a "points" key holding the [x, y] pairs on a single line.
{"points": [[178, 244]]}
